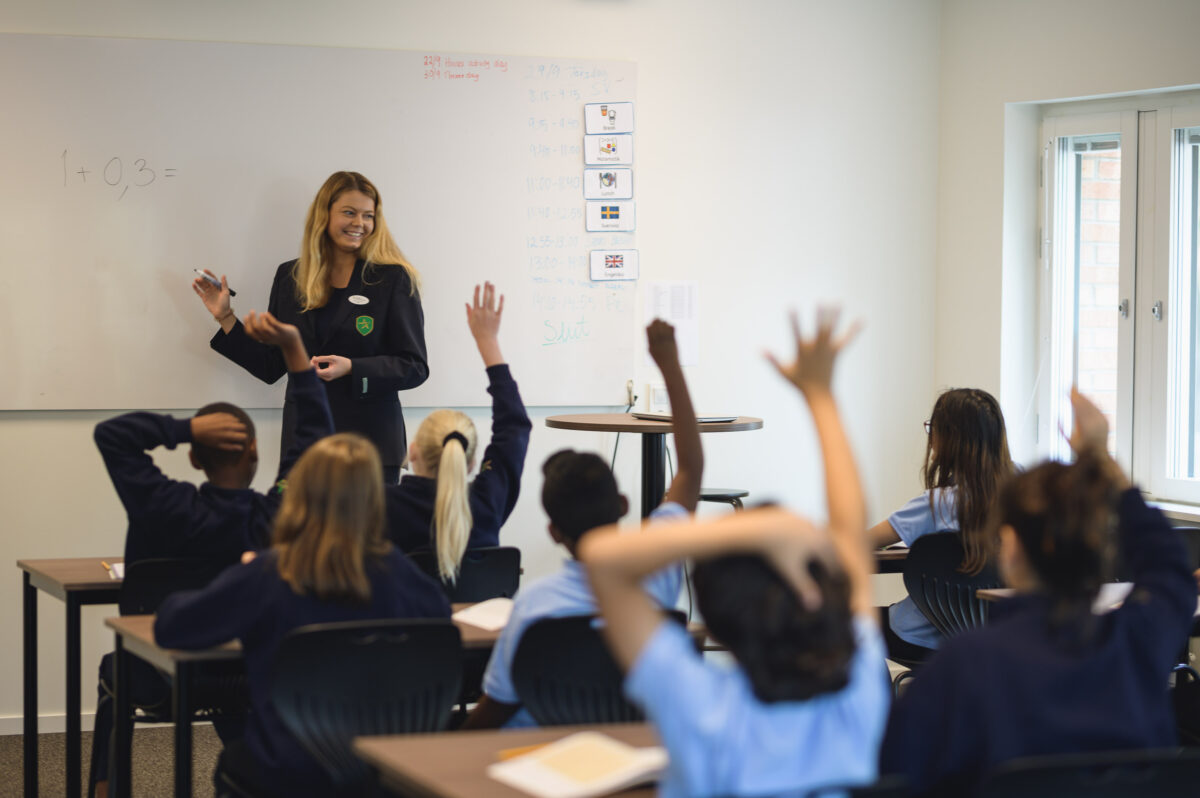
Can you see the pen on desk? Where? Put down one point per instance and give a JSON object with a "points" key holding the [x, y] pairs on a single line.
{"points": [[108, 568], [213, 280]]}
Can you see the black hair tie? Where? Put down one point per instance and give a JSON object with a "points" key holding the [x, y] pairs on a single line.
{"points": [[455, 436]]}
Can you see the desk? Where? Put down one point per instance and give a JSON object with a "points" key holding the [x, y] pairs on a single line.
{"points": [[890, 561], [135, 636], [654, 442], [76, 582], [453, 764], [1109, 598]]}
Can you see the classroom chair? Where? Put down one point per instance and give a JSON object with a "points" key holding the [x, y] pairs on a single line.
{"points": [[565, 674], [944, 595], [333, 682], [1162, 773], [485, 573]]}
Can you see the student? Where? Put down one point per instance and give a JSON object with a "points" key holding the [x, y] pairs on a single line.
{"points": [[329, 561], [580, 494], [966, 459], [806, 704], [216, 521], [435, 507], [1046, 675], [354, 297]]}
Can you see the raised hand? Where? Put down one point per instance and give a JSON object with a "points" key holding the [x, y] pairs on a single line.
{"points": [[265, 328], [1090, 430], [661, 338], [483, 318], [813, 367], [216, 300], [220, 431]]}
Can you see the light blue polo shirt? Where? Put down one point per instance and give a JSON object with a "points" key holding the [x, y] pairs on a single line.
{"points": [[914, 520], [723, 741], [563, 595]]}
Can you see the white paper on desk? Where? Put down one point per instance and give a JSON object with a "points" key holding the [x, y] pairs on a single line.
{"points": [[491, 615], [581, 765], [118, 570], [677, 302]]}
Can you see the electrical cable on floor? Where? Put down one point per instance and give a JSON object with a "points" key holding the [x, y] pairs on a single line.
{"points": [[613, 465]]}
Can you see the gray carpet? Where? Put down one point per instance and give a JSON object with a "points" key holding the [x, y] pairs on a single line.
{"points": [[153, 762]]}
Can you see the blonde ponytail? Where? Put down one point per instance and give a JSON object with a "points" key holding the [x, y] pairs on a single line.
{"points": [[447, 438]]}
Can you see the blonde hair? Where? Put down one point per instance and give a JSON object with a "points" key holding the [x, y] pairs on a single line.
{"points": [[447, 462], [331, 520], [312, 268]]}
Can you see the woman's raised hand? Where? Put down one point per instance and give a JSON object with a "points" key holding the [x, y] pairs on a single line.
{"points": [[216, 300]]}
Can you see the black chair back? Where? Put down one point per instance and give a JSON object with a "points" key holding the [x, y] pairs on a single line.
{"points": [[1162, 773], [332, 682], [485, 573], [148, 582], [565, 674], [943, 594]]}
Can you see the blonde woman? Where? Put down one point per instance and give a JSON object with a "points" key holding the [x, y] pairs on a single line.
{"points": [[328, 561], [435, 507], [354, 297]]}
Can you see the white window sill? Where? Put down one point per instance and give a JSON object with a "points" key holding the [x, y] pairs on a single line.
{"points": [[1177, 511]]}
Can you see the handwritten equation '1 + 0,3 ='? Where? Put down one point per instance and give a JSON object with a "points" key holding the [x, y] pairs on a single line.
{"points": [[115, 173]]}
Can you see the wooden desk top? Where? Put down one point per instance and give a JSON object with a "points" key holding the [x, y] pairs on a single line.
{"points": [[137, 635], [891, 555], [453, 764], [624, 422], [72, 575]]}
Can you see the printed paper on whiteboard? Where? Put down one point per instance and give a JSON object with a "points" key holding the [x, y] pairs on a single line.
{"points": [[615, 216], [605, 149], [675, 301], [608, 118], [608, 183], [614, 264]]}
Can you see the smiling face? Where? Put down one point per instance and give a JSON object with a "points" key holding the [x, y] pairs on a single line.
{"points": [[351, 220]]}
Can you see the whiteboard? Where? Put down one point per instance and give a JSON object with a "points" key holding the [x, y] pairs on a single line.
{"points": [[128, 163]]}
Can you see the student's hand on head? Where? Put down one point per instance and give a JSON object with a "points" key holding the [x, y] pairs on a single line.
{"points": [[813, 367], [330, 367], [1090, 430], [220, 431], [791, 545], [483, 315], [265, 328], [661, 338], [216, 300]]}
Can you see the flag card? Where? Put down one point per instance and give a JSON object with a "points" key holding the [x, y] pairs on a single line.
{"points": [[614, 264], [611, 216], [608, 183], [608, 149], [608, 118]]}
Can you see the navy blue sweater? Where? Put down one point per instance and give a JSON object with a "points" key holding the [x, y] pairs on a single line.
{"points": [[1015, 688], [168, 518], [494, 491], [251, 603]]}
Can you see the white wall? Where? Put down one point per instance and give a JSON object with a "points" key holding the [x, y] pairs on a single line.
{"points": [[787, 154], [1023, 51]]}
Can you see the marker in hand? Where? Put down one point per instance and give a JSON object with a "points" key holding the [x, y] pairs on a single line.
{"points": [[213, 280]]}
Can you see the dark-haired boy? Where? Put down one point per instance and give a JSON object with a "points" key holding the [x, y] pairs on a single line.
{"points": [[580, 494], [221, 518]]}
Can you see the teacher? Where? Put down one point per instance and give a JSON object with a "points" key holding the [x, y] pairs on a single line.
{"points": [[354, 296]]}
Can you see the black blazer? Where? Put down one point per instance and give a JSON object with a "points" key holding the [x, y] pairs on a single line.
{"points": [[384, 337]]}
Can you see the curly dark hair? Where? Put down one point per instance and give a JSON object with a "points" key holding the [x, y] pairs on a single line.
{"points": [[579, 493], [210, 457], [789, 653]]}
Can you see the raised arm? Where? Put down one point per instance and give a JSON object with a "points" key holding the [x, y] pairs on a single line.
{"points": [[617, 564], [233, 340], [685, 488], [812, 373]]}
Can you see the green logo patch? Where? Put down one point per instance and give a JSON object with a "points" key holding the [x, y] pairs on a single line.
{"points": [[364, 325]]}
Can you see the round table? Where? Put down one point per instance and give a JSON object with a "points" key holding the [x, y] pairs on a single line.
{"points": [[654, 442]]}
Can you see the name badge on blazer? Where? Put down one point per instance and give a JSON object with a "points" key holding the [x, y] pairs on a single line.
{"points": [[357, 299]]}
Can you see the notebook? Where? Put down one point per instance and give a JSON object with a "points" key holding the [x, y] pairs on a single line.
{"points": [[667, 417], [581, 765]]}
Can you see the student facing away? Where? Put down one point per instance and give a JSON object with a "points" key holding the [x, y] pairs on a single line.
{"points": [[804, 708], [966, 460], [328, 561], [216, 521], [435, 507], [580, 494], [1047, 675]]}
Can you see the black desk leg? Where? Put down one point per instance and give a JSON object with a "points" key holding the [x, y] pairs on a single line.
{"points": [[654, 470], [182, 710], [121, 773], [29, 600], [74, 655]]}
